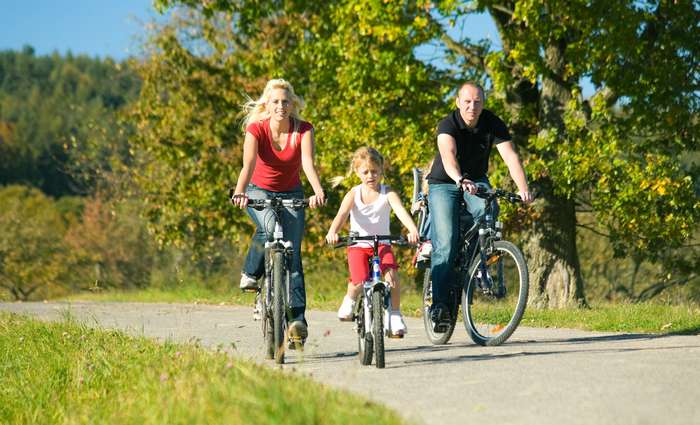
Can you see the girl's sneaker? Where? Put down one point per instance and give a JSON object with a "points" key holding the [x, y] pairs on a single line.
{"points": [[345, 312], [398, 326]]}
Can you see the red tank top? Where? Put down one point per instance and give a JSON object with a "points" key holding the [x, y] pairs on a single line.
{"points": [[275, 170]]}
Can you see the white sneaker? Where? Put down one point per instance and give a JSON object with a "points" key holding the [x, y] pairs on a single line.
{"points": [[345, 312], [248, 283], [398, 326]]}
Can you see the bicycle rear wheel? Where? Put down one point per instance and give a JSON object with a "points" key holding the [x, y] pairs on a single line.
{"points": [[493, 305], [378, 327], [437, 338], [278, 318], [365, 344]]}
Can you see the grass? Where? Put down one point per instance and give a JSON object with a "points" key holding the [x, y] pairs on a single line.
{"points": [[68, 373]]}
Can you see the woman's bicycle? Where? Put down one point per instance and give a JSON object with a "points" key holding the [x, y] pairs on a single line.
{"points": [[374, 303], [492, 277], [274, 295]]}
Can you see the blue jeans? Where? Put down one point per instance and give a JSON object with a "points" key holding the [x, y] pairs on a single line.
{"points": [[443, 200], [293, 227]]}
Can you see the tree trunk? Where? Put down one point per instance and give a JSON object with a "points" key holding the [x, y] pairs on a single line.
{"points": [[555, 271], [556, 279]]}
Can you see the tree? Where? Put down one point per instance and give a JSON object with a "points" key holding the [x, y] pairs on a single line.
{"points": [[58, 119], [614, 155], [30, 243]]}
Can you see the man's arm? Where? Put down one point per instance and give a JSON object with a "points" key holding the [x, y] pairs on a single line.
{"points": [[515, 167], [447, 145]]}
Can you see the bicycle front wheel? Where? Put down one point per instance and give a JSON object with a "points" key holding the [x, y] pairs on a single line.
{"points": [[278, 318], [494, 300], [365, 344], [378, 327]]}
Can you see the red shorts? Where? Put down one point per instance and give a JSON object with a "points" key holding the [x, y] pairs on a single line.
{"points": [[358, 261]]}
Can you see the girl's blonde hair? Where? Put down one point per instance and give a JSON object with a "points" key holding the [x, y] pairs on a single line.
{"points": [[254, 110], [361, 156]]}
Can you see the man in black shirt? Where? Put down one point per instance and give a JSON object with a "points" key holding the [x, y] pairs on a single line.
{"points": [[465, 138]]}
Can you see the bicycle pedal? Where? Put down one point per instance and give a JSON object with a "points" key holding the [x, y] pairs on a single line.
{"points": [[250, 290], [296, 344], [441, 327]]}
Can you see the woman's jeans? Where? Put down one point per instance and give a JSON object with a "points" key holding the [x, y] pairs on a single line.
{"points": [[293, 226], [443, 200]]}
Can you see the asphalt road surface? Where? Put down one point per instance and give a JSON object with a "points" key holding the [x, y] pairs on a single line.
{"points": [[540, 376]]}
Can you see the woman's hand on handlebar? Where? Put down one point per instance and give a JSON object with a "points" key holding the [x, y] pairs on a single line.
{"points": [[332, 238], [413, 238], [317, 200], [240, 200]]}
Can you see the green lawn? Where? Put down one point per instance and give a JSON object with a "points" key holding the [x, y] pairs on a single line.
{"points": [[66, 373]]}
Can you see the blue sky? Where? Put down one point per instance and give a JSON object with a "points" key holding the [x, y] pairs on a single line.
{"points": [[93, 27], [113, 27]]}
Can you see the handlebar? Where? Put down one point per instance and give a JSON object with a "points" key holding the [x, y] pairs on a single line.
{"points": [[351, 239], [485, 193], [276, 201]]}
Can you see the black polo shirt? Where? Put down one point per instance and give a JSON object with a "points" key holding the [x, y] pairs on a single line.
{"points": [[473, 144]]}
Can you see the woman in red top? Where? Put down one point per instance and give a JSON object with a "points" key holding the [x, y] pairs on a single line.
{"points": [[278, 144]]}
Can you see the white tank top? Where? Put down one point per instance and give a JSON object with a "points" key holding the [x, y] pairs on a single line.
{"points": [[370, 219]]}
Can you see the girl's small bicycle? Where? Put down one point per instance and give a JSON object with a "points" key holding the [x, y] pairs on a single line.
{"points": [[374, 303]]}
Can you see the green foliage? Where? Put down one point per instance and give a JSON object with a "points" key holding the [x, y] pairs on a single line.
{"points": [[30, 242], [108, 247], [57, 116], [67, 373]]}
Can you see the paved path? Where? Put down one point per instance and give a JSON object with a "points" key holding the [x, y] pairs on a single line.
{"points": [[541, 376]]}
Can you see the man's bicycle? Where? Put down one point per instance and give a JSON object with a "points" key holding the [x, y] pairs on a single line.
{"points": [[374, 302], [274, 295], [492, 277]]}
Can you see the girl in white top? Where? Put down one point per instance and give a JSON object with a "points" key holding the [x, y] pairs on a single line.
{"points": [[369, 206]]}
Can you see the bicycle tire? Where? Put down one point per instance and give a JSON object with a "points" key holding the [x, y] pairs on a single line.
{"points": [[267, 323], [278, 318], [365, 344], [436, 338], [491, 318], [378, 327]]}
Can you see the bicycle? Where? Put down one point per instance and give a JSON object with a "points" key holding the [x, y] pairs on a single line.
{"points": [[491, 274], [370, 308], [274, 295]]}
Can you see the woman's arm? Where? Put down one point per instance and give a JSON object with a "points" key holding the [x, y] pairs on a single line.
{"points": [[341, 217], [307, 164], [403, 215], [250, 153]]}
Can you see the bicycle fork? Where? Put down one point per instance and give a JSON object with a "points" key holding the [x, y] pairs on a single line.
{"points": [[371, 286]]}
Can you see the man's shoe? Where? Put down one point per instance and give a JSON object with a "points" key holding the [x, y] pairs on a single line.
{"points": [[346, 310], [441, 318], [297, 334], [248, 283]]}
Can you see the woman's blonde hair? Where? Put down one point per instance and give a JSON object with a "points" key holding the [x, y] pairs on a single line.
{"points": [[254, 110], [361, 156]]}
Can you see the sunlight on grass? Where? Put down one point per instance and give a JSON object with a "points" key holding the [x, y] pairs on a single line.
{"points": [[68, 373]]}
